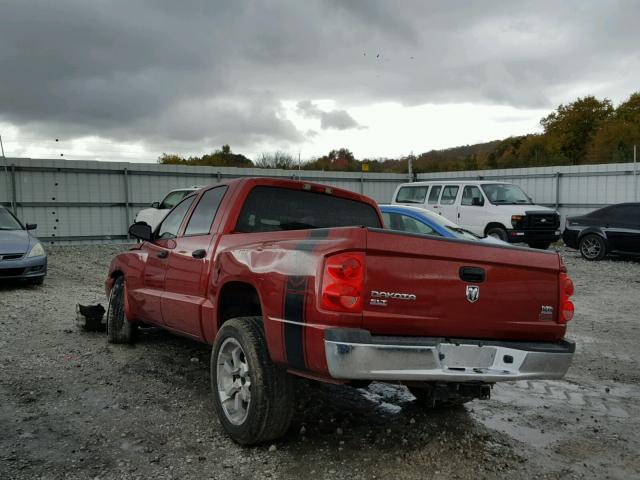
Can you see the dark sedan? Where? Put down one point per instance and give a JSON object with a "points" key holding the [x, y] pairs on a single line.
{"points": [[22, 256], [610, 229]]}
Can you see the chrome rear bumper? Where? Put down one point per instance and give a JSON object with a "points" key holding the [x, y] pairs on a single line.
{"points": [[356, 355]]}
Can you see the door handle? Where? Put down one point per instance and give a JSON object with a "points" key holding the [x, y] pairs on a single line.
{"points": [[162, 254], [472, 274], [200, 253]]}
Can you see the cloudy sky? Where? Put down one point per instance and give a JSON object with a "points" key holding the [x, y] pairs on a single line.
{"points": [[130, 79]]}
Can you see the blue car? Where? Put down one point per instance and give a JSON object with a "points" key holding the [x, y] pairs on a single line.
{"points": [[418, 220], [22, 256]]}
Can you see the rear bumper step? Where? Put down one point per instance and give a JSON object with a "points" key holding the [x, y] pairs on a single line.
{"points": [[357, 355]]}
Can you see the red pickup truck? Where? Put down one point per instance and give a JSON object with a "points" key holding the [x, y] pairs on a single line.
{"points": [[291, 278]]}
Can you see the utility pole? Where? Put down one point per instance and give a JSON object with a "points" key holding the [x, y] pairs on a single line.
{"points": [[410, 166], [8, 181], [6, 169], [635, 173]]}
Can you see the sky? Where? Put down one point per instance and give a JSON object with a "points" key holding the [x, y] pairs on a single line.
{"points": [[127, 80]]}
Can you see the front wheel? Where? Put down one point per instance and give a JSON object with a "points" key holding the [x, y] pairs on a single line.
{"points": [[593, 247], [119, 329], [497, 232], [253, 397]]}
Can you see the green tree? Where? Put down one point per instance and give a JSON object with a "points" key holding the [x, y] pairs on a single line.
{"points": [[569, 130], [219, 158], [171, 159]]}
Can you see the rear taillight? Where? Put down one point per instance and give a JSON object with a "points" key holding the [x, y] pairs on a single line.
{"points": [[342, 282], [566, 291]]}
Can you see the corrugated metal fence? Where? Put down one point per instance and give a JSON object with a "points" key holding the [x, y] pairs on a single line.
{"points": [[90, 201]]}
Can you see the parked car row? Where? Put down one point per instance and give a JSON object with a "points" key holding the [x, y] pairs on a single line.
{"points": [[500, 210], [504, 211]]}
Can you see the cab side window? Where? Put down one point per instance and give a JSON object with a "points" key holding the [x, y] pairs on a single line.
{"points": [[471, 195], [171, 224], [434, 194], [205, 212], [449, 194]]}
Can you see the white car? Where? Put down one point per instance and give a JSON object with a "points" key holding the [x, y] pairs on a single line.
{"points": [[154, 215], [496, 209]]}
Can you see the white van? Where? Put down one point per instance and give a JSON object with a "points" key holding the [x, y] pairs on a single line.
{"points": [[498, 209], [158, 210]]}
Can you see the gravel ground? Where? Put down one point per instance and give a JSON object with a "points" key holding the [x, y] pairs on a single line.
{"points": [[74, 407]]}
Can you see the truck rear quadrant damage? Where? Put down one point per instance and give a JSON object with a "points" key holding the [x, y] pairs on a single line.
{"points": [[289, 278]]}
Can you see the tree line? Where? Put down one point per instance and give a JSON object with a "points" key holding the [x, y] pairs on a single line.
{"points": [[585, 131]]}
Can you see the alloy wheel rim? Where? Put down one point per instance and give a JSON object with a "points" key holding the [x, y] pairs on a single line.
{"points": [[234, 381], [591, 248]]}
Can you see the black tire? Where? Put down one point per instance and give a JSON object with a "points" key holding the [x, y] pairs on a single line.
{"points": [[540, 245], [36, 281], [267, 414], [498, 232], [592, 247], [119, 329]]}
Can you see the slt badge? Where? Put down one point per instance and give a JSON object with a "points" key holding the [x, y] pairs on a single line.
{"points": [[381, 298]]}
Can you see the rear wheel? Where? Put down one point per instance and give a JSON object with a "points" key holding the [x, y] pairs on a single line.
{"points": [[119, 329], [593, 247], [497, 232], [253, 397]]}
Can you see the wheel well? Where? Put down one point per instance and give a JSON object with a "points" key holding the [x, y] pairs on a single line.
{"points": [[238, 299], [596, 233], [493, 225], [116, 274]]}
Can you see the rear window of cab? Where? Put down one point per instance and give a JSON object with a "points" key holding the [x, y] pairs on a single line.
{"points": [[271, 209]]}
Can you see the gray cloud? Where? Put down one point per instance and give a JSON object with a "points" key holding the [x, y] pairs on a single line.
{"points": [[336, 119], [202, 71]]}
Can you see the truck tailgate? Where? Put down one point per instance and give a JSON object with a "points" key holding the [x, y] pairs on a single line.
{"points": [[414, 286]]}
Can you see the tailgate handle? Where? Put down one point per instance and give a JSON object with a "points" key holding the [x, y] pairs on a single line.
{"points": [[472, 274]]}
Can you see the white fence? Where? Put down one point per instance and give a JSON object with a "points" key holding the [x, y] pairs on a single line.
{"points": [[91, 201]]}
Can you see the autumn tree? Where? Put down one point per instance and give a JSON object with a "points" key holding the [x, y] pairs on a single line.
{"points": [[338, 160]]}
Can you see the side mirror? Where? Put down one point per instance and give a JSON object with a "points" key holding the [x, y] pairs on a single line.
{"points": [[141, 230], [155, 205], [477, 202], [31, 226]]}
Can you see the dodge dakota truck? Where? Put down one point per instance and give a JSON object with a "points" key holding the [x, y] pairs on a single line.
{"points": [[287, 278]]}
